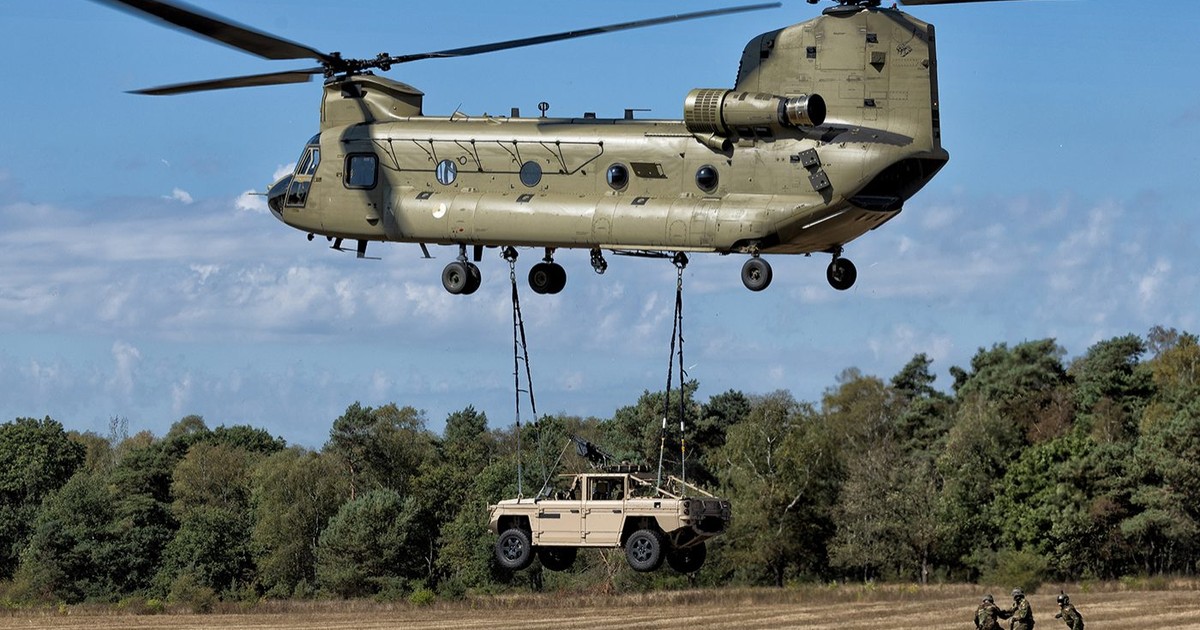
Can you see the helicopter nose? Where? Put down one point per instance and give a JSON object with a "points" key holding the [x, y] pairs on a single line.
{"points": [[276, 195]]}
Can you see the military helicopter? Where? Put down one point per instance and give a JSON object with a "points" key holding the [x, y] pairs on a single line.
{"points": [[832, 125]]}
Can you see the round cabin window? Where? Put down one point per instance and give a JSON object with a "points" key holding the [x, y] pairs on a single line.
{"points": [[447, 172], [706, 178], [531, 173], [617, 176]]}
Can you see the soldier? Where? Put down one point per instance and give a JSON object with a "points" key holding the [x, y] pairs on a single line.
{"points": [[1021, 613], [1068, 614], [986, 614]]}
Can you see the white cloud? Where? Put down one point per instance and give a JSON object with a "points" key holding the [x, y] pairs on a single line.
{"points": [[181, 195], [181, 394], [125, 359], [282, 171], [251, 201]]}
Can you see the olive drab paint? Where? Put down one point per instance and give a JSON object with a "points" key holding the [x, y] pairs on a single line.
{"points": [[832, 125]]}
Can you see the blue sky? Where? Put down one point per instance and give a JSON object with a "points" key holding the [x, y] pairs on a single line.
{"points": [[139, 280]]}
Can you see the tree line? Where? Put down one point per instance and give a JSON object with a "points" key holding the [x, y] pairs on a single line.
{"points": [[1030, 467]]}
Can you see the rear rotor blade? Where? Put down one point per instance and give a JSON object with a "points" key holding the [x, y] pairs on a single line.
{"points": [[219, 29], [545, 39], [271, 78]]}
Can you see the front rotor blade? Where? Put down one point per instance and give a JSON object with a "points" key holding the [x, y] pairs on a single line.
{"points": [[271, 78], [545, 39], [219, 29], [916, 2]]}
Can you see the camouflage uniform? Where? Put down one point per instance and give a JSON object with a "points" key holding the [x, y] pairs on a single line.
{"points": [[1068, 614], [986, 615], [1021, 613]]}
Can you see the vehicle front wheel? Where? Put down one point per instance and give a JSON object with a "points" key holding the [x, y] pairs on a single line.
{"points": [[557, 558], [688, 559], [513, 550], [644, 550]]}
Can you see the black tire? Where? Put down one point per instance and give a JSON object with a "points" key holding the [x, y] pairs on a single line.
{"points": [[540, 278], [756, 274], [513, 550], [474, 279], [557, 558], [841, 274], [558, 278], [456, 277], [644, 550], [688, 559]]}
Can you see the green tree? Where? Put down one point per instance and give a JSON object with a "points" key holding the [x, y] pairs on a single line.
{"points": [[143, 522], [922, 414], [294, 494], [1112, 388], [369, 545], [1167, 461], [886, 515], [72, 543], [38, 458], [381, 448], [638, 433], [979, 448], [211, 491], [1025, 382], [779, 469], [465, 559]]}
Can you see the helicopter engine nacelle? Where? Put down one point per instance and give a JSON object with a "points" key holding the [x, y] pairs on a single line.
{"points": [[730, 113]]}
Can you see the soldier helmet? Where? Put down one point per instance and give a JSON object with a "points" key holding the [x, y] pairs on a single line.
{"points": [[989, 599], [1018, 593], [1064, 599]]}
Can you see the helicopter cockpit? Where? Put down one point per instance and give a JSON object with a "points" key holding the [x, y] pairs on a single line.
{"points": [[291, 191]]}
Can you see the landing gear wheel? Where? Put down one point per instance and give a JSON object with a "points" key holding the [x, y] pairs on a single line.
{"points": [[474, 279], [547, 278], [756, 274], [456, 277], [841, 274], [644, 550], [688, 559], [513, 550], [557, 558]]}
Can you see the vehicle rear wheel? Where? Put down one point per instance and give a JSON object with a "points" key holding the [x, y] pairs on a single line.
{"points": [[644, 550], [688, 559], [557, 558], [513, 550]]}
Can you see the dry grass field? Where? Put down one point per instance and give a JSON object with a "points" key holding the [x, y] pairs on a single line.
{"points": [[843, 608]]}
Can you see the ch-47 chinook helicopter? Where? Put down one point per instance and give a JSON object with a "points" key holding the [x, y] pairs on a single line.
{"points": [[832, 125]]}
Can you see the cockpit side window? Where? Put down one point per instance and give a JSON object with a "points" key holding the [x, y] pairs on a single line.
{"points": [[302, 180], [308, 166]]}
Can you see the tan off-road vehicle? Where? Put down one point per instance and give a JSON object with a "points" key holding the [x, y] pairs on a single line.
{"points": [[613, 510]]}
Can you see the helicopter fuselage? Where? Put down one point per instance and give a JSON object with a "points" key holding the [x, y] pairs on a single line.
{"points": [[759, 169]]}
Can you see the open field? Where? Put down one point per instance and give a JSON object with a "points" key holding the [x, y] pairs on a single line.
{"points": [[938, 607]]}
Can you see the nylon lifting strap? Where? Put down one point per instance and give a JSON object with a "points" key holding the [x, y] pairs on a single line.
{"points": [[520, 355], [680, 260]]}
